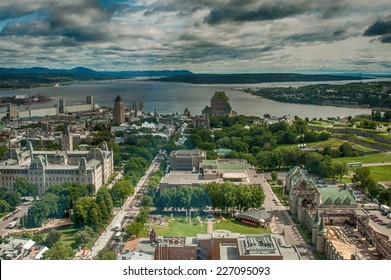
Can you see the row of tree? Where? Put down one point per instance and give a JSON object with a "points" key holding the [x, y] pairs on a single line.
{"points": [[93, 211], [224, 196]]}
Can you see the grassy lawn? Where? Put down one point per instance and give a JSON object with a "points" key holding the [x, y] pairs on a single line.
{"points": [[68, 237], [366, 159], [283, 198], [235, 226], [332, 143], [178, 226], [381, 173], [345, 179]]}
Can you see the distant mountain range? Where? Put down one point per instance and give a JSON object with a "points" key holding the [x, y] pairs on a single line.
{"points": [[82, 72], [14, 78], [257, 78]]}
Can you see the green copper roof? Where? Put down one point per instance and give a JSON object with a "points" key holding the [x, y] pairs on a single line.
{"points": [[322, 227], [316, 220], [335, 194], [220, 96]]}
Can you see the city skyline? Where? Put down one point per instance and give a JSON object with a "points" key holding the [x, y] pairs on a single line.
{"points": [[222, 36]]}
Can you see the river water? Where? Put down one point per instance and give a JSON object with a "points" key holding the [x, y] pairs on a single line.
{"points": [[167, 97]]}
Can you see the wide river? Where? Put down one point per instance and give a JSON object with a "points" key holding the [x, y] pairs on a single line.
{"points": [[167, 98]]}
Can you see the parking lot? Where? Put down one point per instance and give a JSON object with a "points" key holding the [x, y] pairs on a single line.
{"points": [[375, 221]]}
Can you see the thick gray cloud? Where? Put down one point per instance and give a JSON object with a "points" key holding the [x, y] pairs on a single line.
{"points": [[382, 27], [81, 21], [266, 11], [201, 35]]}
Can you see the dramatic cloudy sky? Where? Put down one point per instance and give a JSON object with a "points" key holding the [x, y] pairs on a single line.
{"points": [[199, 35]]}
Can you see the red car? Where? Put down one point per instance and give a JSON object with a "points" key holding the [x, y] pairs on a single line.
{"points": [[378, 221]]}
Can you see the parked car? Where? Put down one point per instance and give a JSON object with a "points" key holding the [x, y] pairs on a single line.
{"points": [[382, 223], [378, 221]]}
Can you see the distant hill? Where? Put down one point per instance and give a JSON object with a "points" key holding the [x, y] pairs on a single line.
{"points": [[14, 78], [255, 78], [86, 72]]}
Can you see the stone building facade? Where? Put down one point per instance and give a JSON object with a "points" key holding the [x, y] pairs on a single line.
{"points": [[47, 168], [332, 217]]}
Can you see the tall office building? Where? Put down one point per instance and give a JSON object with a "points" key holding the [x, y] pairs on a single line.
{"points": [[119, 110]]}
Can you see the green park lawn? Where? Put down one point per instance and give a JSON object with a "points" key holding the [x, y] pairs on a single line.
{"points": [[68, 236], [332, 143], [178, 226], [381, 173], [235, 226], [366, 159]]}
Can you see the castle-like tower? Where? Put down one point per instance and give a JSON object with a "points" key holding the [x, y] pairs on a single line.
{"points": [[119, 110], [67, 139], [219, 106], [321, 237]]}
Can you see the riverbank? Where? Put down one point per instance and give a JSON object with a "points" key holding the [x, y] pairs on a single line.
{"points": [[350, 95]]}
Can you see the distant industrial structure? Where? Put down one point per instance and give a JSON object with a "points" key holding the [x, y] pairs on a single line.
{"points": [[13, 111]]}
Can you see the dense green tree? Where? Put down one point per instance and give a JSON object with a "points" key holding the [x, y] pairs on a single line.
{"points": [[121, 190], [42, 209], [239, 146], [84, 236], [79, 216], [147, 201], [52, 238], [4, 206], [94, 217], [207, 146], [274, 176], [134, 229], [346, 150], [13, 199], [257, 196], [106, 254], [59, 251], [24, 187], [363, 177]]}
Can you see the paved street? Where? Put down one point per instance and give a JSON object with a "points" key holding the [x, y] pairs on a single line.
{"points": [[119, 215], [282, 222], [115, 180], [4, 223]]}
